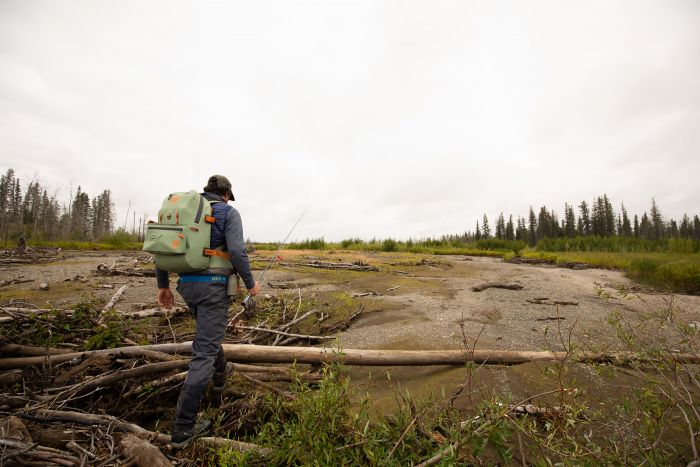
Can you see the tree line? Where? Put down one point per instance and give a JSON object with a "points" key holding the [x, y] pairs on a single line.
{"points": [[30, 211], [597, 219]]}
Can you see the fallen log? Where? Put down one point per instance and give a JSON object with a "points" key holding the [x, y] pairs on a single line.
{"points": [[142, 453], [104, 270], [3, 283], [65, 416], [248, 353], [266, 374], [30, 351], [33, 451], [145, 351], [121, 375], [149, 312], [496, 285], [546, 301], [346, 266]]}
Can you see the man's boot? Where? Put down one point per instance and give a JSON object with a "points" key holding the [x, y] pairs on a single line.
{"points": [[219, 379], [180, 439]]}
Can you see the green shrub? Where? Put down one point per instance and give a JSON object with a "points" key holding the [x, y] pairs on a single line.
{"points": [[680, 275], [498, 244], [107, 336], [390, 245], [121, 239], [309, 244]]}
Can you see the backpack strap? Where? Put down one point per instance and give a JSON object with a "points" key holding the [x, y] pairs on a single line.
{"points": [[219, 253]]}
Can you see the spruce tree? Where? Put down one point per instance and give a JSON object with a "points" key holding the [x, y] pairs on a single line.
{"points": [[585, 217], [510, 230], [673, 229], [609, 217], [500, 227], [485, 229], [532, 228], [685, 229], [626, 228], [645, 229], [569, 221], [657, 222]]}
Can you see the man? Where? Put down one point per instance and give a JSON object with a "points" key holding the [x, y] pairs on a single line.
{"points": [[206, 294]]}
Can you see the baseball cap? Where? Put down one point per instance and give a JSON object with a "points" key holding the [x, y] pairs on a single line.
{"points": [[220, 182]]}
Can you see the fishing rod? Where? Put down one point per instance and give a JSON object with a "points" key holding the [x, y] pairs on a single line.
{"points": [[249, 301]]}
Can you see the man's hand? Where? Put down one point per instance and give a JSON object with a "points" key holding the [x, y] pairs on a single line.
{"points": [[255, 290], [165, 298]]}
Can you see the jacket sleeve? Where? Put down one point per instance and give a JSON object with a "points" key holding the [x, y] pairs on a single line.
{"points": [[236, 247], [162, 279]]}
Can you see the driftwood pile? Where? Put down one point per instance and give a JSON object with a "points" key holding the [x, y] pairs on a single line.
{"points": [[356, 266], [16, 280], [106, 271], [60, 405], [29, 255]]}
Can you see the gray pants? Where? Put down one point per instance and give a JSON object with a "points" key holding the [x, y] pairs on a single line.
{"points": [[209, 304]]}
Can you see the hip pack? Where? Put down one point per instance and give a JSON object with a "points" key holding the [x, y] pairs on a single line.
{"points": [[181, 238]]}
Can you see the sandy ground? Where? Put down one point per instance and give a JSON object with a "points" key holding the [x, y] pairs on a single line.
{"points": [[417, 306]]}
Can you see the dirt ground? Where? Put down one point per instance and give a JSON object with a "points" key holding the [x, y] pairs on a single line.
{"points": [[415, 302]]}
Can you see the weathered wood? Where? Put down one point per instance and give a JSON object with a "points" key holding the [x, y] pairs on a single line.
{"points": [[142, 453], [149, 312], [65, 416], [496, 285], [115, 298], [43, 453], [245, 353], [282, 333], [121, 375], [30, 350], [346, 266], [104, 270], [219, 443], [5, 282]]}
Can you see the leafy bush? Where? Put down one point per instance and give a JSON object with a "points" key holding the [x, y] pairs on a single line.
{"points": [[121, 239], [683, 275], [309, 244], [107, 336], [390, 245], [498, 244]]}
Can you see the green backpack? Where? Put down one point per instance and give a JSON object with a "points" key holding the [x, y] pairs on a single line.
{"points": [[180, 240]]}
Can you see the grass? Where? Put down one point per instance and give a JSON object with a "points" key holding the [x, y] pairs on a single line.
{"points": [[485, 247], [78, 245], [679, 272]]}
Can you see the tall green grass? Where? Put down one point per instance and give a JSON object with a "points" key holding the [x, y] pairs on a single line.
{"points": [[619, 245], [484, 247], [676, 272]]}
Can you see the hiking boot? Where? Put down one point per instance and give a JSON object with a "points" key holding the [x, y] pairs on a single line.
{"points": [[181, 439], [219, 379]]}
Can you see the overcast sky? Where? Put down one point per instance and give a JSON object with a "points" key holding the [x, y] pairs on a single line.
{"points": [[401, 118]]}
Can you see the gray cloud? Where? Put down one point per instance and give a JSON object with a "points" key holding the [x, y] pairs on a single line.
{"points": [[392, 118]]}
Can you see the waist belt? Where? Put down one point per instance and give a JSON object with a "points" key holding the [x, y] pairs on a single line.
{"points": [[218, 279]]}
